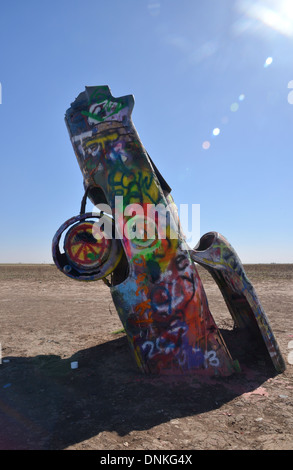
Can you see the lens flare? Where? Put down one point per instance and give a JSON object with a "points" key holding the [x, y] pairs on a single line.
{"points": [[234, 107], [268, 61], [206, 145], [290, 95]]}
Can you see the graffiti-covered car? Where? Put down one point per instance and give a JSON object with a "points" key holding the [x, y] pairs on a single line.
{"points": [[134, 242]]}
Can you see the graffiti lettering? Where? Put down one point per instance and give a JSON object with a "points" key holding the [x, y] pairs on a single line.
{"points": [[100, 112], [211, 357], [132, 185], [141, 309], [102, 140], [148, 348]]}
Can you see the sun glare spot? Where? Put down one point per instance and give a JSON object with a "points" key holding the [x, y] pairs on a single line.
{"points": [[275, 14], [268, 62]]}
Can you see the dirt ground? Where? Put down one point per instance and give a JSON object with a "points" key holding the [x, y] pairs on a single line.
{"points": [[49, 321]]}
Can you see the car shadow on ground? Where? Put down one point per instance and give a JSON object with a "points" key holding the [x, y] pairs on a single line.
{"points": [[44, 404]]}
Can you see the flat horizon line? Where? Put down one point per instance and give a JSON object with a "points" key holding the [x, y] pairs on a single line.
{"points": [[52, 264]]}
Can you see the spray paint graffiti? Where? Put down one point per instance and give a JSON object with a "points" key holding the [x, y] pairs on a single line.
{"points": [[216, 254], [154, 282]]}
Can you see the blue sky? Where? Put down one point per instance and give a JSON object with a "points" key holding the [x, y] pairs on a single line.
{"points": [[186, 62]]}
